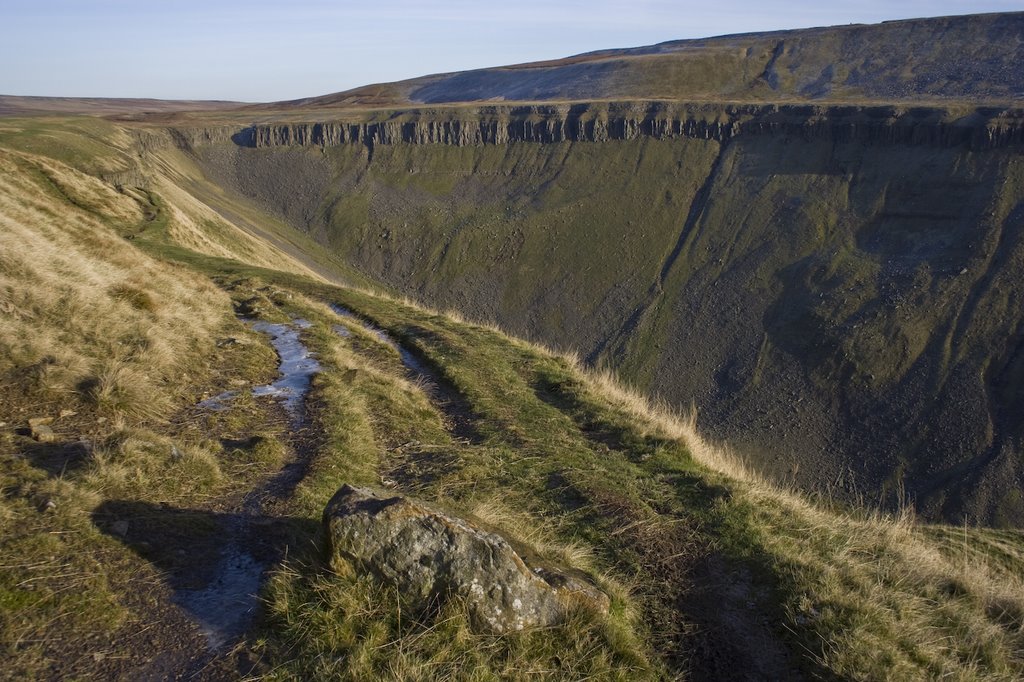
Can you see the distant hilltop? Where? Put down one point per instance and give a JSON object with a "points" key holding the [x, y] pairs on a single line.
{"points": [[975, 58]]}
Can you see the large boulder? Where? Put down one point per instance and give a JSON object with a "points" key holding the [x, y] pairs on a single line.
{"points": [[432, 556]]}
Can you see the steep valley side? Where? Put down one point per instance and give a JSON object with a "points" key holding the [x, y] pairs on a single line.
{"points": [[841, 306]]}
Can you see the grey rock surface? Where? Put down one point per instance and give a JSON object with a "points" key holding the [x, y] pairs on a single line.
{"points": [[432, 556]]}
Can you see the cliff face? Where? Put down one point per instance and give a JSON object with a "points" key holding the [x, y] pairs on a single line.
{"points": [[836, 288], [983, 128]]}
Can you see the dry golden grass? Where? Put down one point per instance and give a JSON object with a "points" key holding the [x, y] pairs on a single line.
{"points": [[83, 314], [135, 463], [539, 535]]}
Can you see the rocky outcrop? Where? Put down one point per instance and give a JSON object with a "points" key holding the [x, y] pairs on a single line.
{"points": [[983, 128], [463, 133], [432, 557]]}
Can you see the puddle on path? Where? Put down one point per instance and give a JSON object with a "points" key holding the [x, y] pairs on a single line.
{"points": [[225, 608], [408, 359], [297, 367], [297, 364], [218, 402]]}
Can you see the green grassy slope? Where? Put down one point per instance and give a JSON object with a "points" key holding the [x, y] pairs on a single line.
{"points": [[712, 572]]}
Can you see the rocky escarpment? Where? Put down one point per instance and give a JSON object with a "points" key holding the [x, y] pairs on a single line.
{"points": [[981, 128]]}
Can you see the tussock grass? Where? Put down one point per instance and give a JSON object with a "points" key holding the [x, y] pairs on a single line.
{"points": [[108, 342], [540, 535], [141, 464], [349, 627], [55, 568], [885, 601]]}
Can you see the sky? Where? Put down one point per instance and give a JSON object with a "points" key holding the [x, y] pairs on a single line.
{"points": [[259, 51]]}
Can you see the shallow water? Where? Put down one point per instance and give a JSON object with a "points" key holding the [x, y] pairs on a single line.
{"points": [[219, 402], [297, 364], [224, 609], [297, 367], [408, 359]]}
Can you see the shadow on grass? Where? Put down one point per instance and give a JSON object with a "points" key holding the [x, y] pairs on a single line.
{"points": [[214, 562], [562, 393], [56, 459], [713, 615]]}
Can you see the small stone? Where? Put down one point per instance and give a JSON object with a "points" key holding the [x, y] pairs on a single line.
{"points": [[43, 434], [175, 454], [120, 528], [49, 505], [101, 420], [98, 656], [249, 307], [39, 421], [238, 382]]}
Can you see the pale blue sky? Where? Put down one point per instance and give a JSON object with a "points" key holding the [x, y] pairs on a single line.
{"points": [[262, 51]]}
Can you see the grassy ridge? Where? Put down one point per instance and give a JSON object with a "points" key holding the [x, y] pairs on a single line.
{"points": [[848, 588]]}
